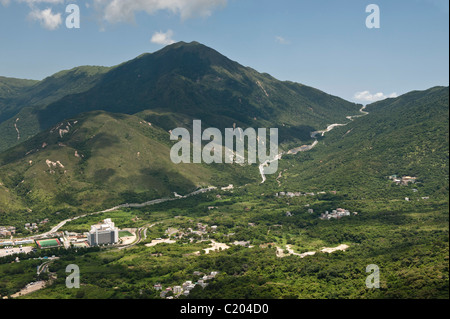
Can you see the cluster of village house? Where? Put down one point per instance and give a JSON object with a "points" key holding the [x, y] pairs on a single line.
{"points": [[6, 231], [298, 194], [336, 213], [186, 287], [405, 180], [424, 198], [202, 229], [35, 226]]}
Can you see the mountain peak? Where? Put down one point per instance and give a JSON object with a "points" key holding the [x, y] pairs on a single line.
{"points": [[185, 44], [194, 49], [177, 83]]}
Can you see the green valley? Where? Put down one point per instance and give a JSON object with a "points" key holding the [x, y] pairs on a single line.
{"points": [[95, 149]]}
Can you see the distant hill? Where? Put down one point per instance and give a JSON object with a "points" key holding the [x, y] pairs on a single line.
{"points": [[10, 89], [20, 105]]}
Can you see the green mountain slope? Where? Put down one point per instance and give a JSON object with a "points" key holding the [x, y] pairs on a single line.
{"points": [[95, 162], [107, 143], [194, 81], [10, 86], [408, 135], [11, 89], [21, 104]]}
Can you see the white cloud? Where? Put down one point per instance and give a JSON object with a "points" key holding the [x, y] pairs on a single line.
{"points": [[163, 38], [47, 19], [124, 10], [366, 96], [281, 40]]}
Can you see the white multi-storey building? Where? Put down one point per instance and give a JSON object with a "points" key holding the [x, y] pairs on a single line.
{"points": [[102, 234]]}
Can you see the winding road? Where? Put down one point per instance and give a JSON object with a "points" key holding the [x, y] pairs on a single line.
{"points": [[305, 148], [127, 205], [294, 151]]}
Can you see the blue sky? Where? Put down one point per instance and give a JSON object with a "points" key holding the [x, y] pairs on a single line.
{"points": [[323, 43]]}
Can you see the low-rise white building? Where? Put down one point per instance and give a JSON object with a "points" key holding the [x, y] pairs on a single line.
{"points": [[177, 290]]}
